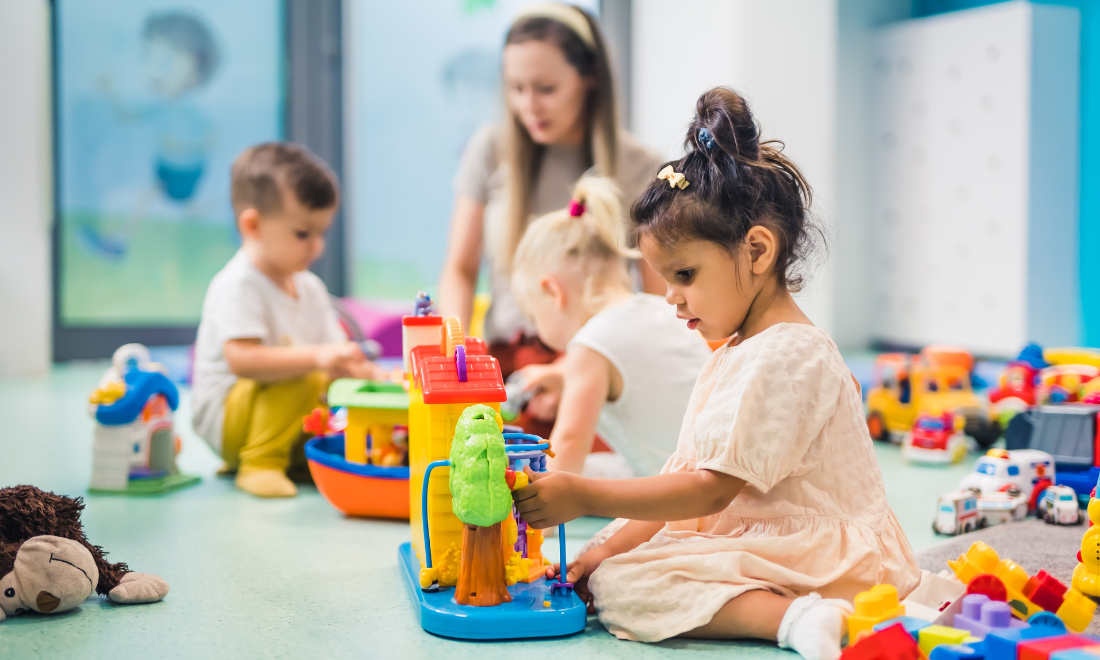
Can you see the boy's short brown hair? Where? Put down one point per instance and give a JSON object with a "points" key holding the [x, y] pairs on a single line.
{"points": [[261, 173]]}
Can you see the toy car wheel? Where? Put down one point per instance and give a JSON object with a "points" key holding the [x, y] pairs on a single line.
{"points": [[967, 528], [984, 432], [1047, 518], [1080, 518], [876, 426], [982, 523], [936, 529]]}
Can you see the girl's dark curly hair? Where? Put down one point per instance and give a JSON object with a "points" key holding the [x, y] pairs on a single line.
{"points": [[735, 182]]}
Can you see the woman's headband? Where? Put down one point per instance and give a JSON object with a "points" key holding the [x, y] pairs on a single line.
{"points": [[567, 15]]}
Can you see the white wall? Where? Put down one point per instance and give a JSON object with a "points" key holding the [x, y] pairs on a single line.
{"points": [[780, 54], [852, 249], [975, 179], [25, 187]]}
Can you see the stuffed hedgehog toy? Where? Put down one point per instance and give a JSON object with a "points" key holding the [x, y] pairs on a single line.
{"points": [[46, 563]]}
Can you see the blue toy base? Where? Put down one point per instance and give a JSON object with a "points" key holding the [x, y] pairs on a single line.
{"points": [[523, 618]]}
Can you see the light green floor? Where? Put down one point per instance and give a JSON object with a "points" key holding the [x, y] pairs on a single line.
{"points": [[290, 578]]}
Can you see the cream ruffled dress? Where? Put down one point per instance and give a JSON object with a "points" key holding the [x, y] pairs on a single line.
{"points": [[780, 411]]}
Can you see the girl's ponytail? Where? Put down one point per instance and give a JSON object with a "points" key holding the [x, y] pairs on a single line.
{"points": [[587, 238]]}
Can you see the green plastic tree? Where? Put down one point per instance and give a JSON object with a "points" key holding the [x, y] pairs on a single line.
{"points": [[482, 500]]}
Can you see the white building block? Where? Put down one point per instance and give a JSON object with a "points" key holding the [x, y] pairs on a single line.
{"points": [[976, 179]]}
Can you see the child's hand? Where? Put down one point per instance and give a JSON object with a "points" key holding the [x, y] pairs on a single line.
{"points": [[550, 498], [340, 359], [546, 381], [579, 571]]}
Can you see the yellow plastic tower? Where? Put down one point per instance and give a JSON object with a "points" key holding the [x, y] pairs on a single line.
{"points": [[437, 397]]}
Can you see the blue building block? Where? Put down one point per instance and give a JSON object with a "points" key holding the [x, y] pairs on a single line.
{"points": [[1001, 644], [912, 625], [958, 652]]}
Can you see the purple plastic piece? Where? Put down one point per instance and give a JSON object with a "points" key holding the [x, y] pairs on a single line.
{"points": [[981, 616], [565, 588], [460, 363]]}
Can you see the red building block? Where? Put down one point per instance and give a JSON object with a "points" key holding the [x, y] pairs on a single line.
{"points": [[1045, 591], [1041, 649], [990, 585], [892, 643]]}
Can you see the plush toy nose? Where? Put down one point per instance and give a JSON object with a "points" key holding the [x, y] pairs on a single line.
{"points": [[46, 602]]}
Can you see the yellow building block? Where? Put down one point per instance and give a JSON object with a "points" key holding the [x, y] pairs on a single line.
{"points": [[874, 606], [933, 636], [1076, 610], [978, 559], [1014, 578]]}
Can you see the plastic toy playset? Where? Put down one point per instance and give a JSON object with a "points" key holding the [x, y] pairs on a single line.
{"points": [[359, 457], [135, 446], [473, 568]]}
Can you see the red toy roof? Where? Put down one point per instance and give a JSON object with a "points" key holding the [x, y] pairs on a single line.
{"points": [[437, 375], [421, 320]]}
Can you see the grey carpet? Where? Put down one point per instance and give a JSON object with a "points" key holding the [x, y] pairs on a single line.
{"points": [[1032, 544]]}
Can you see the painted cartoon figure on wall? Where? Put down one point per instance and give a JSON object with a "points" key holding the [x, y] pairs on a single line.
{"points": [[180, 57]]}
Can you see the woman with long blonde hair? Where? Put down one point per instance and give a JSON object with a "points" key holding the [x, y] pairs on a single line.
{"points": [[561, 120]]}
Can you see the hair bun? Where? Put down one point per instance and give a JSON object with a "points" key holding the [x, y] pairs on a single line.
{"points": [[723, 120]]}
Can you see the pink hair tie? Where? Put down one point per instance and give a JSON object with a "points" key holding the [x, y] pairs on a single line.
{"points": [[576, 209]]}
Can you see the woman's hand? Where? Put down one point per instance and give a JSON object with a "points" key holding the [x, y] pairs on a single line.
{"points": [[550, 498], [578, 572]]}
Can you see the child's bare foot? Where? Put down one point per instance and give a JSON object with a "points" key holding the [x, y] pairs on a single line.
{"points": [[265, 483], [813, 627]]}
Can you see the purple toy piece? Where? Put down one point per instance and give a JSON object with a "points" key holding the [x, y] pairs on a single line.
{"points": [[981, 616], [460, 363]]}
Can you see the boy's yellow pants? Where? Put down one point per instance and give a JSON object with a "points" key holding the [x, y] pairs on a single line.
{"points": [[263, 421]]}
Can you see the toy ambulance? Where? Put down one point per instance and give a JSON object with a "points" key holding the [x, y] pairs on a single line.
{"points": [[1023, 468], [957, 513]]}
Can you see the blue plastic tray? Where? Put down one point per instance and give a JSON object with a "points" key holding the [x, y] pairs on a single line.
{"points": [[524, 617]]}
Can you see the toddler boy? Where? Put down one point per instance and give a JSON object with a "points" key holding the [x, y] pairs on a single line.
{"points": [[269, 342]]}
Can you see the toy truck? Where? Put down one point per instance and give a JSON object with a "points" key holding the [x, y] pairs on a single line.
{"points": [[1058, 506], [1069, 433], [934, 382]]}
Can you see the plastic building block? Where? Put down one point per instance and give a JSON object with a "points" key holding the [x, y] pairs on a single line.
{"points": [[891, 643], [1047, 619], [990, 585], [1042, 648], [1076, 610], [1003, 644], [937, 599], [934, 636], [1083, 653], [980, 616], [912, 625], [977, 560], [955, 652], [1045, 590], [980, 559], [876, 605]]}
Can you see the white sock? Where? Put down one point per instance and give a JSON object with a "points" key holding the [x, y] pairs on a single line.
{"points": [[813, 627]]}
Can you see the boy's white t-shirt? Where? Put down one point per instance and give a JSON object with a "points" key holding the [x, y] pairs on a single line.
{"points": [[659, 360], [243, 303]]}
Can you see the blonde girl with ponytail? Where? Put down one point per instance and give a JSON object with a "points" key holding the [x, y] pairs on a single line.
{"points": [[628, 366]]}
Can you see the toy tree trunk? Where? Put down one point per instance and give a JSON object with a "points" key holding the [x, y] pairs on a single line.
{"points": [[481, 577]]}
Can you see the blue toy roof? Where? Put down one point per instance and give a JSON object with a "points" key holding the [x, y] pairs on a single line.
{"points": [[140, 385]]}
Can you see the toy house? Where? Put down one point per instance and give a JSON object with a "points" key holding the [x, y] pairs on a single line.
{"points": [[447, 373], [135, 445], [377, 412]]}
